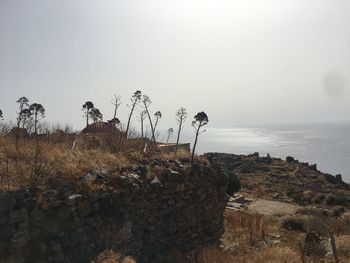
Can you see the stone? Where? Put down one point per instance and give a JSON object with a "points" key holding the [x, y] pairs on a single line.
{"points": [[172, 172], [73, 199], [35, 250], [148, 216], [256, 155], [13, 259], [339, 179], [156, 183], [195, 169], [180, 187], [18, 241], [17, 216], [37, 216], [52, 204], [52, 228], [7, 203], [141, 170], [84, 208], [63, 213], [313, 167], [50, 195], [173, 255], [58, 258], [3, 247], [95, 206], [3, 220], [6, 232], [96, 174]]}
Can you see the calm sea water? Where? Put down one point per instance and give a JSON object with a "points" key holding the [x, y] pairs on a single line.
{"points": [[327, 145]]}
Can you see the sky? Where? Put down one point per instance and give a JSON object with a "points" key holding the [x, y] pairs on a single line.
{"points": [[243, 62]]}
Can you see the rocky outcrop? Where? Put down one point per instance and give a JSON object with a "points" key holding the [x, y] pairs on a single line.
{"points": [[285, 180], [140, 213]]}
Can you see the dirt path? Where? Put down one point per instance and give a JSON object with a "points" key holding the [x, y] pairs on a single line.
{"points": [[267, 207]]}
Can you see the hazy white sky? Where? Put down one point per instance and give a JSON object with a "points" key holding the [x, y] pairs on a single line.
{"points": [[240, 61]]}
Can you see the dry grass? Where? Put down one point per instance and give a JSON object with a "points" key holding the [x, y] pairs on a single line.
{"points": [[343, 246], [109, 256], [47, 162], [53, 160], [249, 238], [244, 227], [275, 254]]}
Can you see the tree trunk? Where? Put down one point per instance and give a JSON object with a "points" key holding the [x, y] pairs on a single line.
{"points": [[115, 112], [167, 140], [195, 144], [129, 119], [150, 122], [142, 127], [87, 117], [178, 136], [35, 123]]}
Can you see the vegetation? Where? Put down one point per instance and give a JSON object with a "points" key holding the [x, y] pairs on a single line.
{"points": [[170, 132], [158, 116], [253, 238], [59, 153], [87, 107], [23, 104], [200, 119], [116, 101], [234, 184], [135, 99], [181, 116], [142, 117], [96, 115], [38, 112], [146, 101]]}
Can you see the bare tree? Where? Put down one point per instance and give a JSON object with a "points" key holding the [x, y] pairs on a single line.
{"points": [[135, 99], [146, 101], [200, 119], [142, 117], [116, 101], [181, 116], [170, 132], [87, 107], [38, 112]]}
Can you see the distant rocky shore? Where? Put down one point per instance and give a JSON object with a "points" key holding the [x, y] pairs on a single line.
{"points": [[285, 180]]}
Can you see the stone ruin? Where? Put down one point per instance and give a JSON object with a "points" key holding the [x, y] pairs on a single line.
{"points": [[142, 216]]}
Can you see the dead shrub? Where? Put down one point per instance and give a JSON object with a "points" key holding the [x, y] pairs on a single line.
{"points": [[295, 223], [246, 226]]}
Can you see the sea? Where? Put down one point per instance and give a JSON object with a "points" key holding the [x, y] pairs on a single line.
{"points": [[324, 144]]}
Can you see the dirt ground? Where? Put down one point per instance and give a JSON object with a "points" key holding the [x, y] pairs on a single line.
{"points": [[268, 207]]}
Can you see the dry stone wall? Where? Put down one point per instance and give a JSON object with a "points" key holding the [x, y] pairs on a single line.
{"points": [[143, 215]]}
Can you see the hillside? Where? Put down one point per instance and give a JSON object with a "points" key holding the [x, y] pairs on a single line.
{"points": [[285, 180]]}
